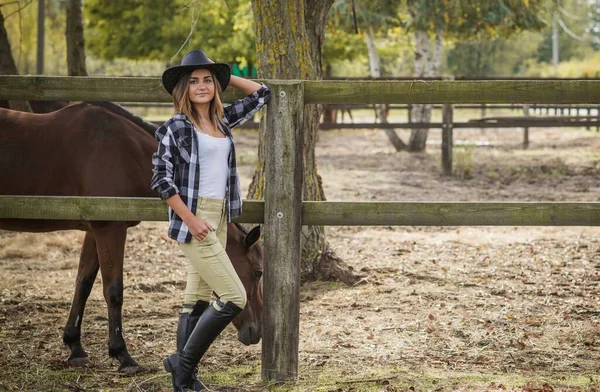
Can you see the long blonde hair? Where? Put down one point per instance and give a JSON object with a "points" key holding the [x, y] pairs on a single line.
{"points": [[183, 104]]}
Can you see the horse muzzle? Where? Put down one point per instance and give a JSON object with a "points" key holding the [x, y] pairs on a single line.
{"points": [[249, 333]]}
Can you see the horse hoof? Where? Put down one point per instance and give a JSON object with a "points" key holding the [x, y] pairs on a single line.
{"points": [[130, 370], [79, 362]]}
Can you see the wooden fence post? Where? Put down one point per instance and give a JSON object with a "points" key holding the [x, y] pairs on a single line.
{"points": [[483, 107], [526, 129], [447, 139], [282, 228]]}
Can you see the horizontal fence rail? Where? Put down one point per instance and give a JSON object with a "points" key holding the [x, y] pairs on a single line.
{"points": [[315, 92], [319, 213], [516, 123], [102, 208], [418, 91]]}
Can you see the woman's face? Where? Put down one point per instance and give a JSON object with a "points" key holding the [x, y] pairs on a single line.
{"points": [[201, 89]]}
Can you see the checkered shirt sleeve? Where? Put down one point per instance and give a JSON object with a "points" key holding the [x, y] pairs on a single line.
{"points": [[243, 109], [162, 163]]}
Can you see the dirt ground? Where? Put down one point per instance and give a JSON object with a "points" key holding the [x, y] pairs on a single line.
{"points": [[454, 308]]}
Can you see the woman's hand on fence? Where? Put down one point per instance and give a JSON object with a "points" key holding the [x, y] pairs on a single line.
{"points": [[199, 228]]}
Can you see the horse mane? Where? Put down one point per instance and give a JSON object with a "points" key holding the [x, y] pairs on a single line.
{"points": [[241, 228], [121, 111]]}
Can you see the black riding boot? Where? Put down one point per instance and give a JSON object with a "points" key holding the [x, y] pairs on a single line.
{"points": [[187, 322], [209, 326]]}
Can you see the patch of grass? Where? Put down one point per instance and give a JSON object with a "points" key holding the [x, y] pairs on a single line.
{"points": [[463, 162], [492, 175], [36, 378], [397, 379], [246, 377], [242, 376], [42, 379]]}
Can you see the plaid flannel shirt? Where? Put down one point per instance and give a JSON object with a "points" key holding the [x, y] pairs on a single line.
{"points": [[176, 168]]}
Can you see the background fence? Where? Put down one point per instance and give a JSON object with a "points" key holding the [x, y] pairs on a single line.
{"points": [[283, 212]]}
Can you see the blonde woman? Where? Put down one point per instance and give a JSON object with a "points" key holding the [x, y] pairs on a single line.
{"points": [[195, 172]]}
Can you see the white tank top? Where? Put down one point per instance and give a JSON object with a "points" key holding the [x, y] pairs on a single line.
{"points": [[214, 165]]}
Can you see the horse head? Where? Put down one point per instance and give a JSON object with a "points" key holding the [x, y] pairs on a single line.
{"points": [[247, 258]]}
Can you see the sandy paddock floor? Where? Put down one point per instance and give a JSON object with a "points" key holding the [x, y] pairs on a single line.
{"points": [[437, 308]]}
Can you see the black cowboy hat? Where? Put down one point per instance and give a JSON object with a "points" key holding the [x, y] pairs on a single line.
{"points": [[195, 59]]}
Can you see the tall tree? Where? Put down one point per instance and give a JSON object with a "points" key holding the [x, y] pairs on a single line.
{"points": [[339, 45], [593, 27], [165, 29], [460, 20], [8, 66], [493, 57], [75, 40], [369, 18], [20, 24], [427, 63], [289, 37]]}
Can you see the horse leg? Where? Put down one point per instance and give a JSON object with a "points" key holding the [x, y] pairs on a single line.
{"points": [[86, 275], [110, 242]]}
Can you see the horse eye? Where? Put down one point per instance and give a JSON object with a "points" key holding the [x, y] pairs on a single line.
{"points": [[258, 274]]}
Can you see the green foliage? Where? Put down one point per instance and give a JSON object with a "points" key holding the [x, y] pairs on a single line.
{"points": [[166, 29], [497, 57], [342, 42], [345, 51], [480, 40], [380, 15], [340, 45], [463, 162], [593, 26], [587, 67], [530, 53], [476, 19], [134, 29], [21, 27], [580, 18], [351, 60]]}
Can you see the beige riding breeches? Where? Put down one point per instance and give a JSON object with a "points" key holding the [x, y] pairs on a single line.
{"points": [[209, 267]]}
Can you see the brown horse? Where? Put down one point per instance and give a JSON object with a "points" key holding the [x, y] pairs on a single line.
{"points": [[100, 149]]}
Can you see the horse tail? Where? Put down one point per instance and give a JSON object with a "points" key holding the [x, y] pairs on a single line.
{"points": [[121, 111]]}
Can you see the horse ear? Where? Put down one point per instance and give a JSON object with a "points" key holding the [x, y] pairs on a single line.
{"points": [[252, 237]]}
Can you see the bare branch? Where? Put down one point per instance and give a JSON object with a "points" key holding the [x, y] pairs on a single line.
{"points": [[18, 10]]}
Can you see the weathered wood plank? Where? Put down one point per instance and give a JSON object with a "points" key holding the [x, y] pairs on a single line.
{"points": [[75, 88], [447, 139], [320, 213], [451, 214], [418, 91], [518, 122], [356, 92], [102, 208], [283, 223]]}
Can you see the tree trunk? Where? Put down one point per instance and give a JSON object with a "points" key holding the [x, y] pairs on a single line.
{"points": [[438, 52], [75, 40], [289, 35], [380, 109], [420, 113], [8, 66], [329, 114]]}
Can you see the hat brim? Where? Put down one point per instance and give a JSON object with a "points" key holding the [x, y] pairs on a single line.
{"points": [[172, 75]]}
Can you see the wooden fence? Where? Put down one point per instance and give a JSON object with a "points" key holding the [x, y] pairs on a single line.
{"points": [[448, 125], [283, 212]]}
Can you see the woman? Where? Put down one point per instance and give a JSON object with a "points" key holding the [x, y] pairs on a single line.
{"points": [[195, 171]]}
